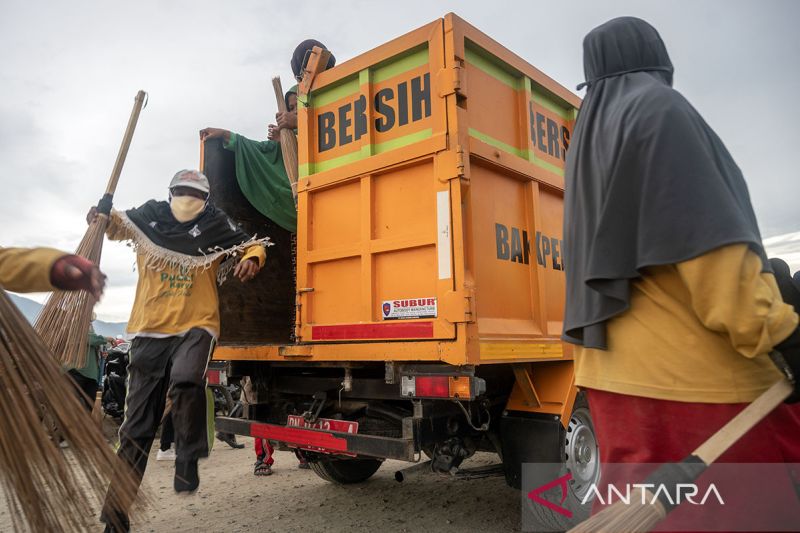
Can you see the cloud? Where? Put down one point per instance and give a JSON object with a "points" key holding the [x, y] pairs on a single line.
{"points": [[69, 79], [116, 303], [787, 247]]}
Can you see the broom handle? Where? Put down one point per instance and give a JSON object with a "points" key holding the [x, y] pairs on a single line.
{"points": [[126, 142], [287, 139], [276, 84], [754, 413]]}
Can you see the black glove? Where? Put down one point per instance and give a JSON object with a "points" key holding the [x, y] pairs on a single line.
{"points": [[104, 205]]}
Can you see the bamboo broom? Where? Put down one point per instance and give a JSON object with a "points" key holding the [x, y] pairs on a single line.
{"points": [[46, 488], [646, 510], [288, 141], [63, 322]]}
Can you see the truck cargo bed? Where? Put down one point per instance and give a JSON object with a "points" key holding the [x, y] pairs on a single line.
{"points": [[430, 211]]}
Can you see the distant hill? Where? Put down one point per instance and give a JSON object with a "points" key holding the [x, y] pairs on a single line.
{"points": [[28, 307], [31, 310]]}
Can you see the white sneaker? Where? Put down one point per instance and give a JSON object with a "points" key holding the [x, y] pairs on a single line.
{"points": [[166, 455]]}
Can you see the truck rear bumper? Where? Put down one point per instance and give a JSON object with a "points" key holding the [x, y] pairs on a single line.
{"points": [[321, 441]]}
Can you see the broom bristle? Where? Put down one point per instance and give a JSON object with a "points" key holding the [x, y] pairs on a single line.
{"points": [[63, 323], [46, 488], [638, 516]]}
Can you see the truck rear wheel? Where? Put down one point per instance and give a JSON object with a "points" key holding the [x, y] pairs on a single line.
{"points": [[345, 471], [580, 456]]}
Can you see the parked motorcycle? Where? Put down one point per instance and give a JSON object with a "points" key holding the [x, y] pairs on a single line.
{"points": [[115, 376], [227, 398], [226, 395]]}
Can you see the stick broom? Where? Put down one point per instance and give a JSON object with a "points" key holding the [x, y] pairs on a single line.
{"points": [[47, 488], [288, 141], [63, 322]]}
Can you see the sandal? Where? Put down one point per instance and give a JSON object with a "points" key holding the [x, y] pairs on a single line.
{"points": [[262, 469]]}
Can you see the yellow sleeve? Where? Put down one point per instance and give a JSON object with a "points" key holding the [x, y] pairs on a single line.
{"points": [[27, 269], [115, 230], [731, 296], [259, 252]]}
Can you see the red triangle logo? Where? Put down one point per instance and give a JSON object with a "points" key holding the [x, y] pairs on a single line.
{"points": [[560, 482]]}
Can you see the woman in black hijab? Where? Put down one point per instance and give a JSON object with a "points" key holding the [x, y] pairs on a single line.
{"points": [[670, 298]]}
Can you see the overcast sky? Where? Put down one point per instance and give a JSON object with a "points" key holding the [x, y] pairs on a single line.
{"points": [[69, 72]]}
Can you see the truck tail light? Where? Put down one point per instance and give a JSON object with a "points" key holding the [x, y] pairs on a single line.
{"points": [[457, 387], [432, 386], [214, 377], [460, 387]]}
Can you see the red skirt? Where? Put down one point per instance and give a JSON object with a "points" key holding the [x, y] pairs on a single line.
{"points": [[632, 429]]}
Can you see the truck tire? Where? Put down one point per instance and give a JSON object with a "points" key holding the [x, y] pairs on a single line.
{"points": [[580, 456], [345, 471]]}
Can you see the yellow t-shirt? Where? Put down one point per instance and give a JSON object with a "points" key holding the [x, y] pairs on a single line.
{"points": [[696, 331], [27, 269], [173, 300]]}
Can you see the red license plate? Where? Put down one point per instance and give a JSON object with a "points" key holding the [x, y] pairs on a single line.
{"points": [[327, 424]]}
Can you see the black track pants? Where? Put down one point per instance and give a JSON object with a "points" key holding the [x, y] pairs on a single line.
{"points": [[177, 365]]}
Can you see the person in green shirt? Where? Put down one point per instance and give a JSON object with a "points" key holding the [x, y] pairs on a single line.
{"points": [[86, 377], [259, 167], [259, 164]]}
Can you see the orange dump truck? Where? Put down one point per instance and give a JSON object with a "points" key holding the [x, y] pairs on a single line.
{"points": [[429, 294]]}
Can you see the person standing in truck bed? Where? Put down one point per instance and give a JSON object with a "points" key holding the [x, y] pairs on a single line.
{"points": [[260, 172]]}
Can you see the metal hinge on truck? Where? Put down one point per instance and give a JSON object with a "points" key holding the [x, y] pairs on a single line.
{"points": [[450, 164], [459, 306], [451, 80]]}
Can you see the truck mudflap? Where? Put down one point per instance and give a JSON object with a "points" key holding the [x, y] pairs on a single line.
{"points": [[322, 441]]}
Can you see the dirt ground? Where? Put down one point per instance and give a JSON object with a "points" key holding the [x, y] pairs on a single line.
{"points": [[232, 499]]}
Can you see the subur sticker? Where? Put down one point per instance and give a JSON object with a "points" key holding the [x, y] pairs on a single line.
{"points": [[409, 309]]}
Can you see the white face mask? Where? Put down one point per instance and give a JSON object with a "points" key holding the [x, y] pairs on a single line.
{"points": [[186, 208]]}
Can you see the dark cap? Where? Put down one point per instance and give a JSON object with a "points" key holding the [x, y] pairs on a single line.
{"points": [[301, 53]]}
